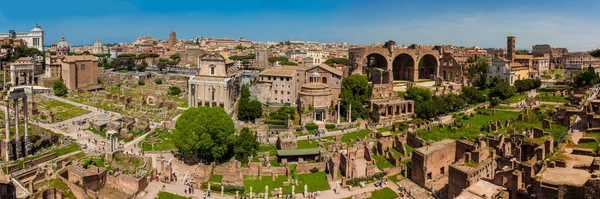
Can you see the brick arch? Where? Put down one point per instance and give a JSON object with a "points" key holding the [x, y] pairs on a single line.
{"points": [[403, 67], [427, 66]]}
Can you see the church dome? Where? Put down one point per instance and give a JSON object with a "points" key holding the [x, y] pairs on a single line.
{"points": [[315, 75], [62, 44], [36, 28]]}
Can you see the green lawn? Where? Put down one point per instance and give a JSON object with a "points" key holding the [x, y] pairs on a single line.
{"points": [[590, 145], [216, 178], [307, 144], [385, 193], [381, 162], [272, 149], [518, 97], [167, 195], [62, 111], [396, 178], [160, 140], [315, 181], [549, 97], [350, 138], [100, 133], [58, 151], [436, 133], [502, 107]]}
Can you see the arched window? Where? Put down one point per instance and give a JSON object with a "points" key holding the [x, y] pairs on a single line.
{"points": [[324, 80], [212, 69], [82, 66]]}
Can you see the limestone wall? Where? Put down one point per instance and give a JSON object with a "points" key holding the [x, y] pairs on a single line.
{"points": [[128, 184]]}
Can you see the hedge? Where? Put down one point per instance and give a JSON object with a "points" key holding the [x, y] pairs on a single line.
{"points": [[311, 126], [230, 189], [330, 126], [355, 182]]}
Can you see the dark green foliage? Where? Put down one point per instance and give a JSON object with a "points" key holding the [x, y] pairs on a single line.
{"points": [[314, 170], [174, 90], [356, 91], [283, 113], [586, 78], [356, 181], [595, 53], [418, 94], [478, 66], [59, 88], [330, 126], [494, 102], [472, 95], [246, 145], [207, 131], [334, 61], [158, 81], [280, 59], [248, 110], [142, 66], [527, 84], [242, 58], [229, 189], [522, 52], [311, 126], [502, 90], [141, 82]]}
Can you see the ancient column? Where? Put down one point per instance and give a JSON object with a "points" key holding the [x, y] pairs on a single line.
{"points": [[190, 95], [266, 191], [203, 94], [338, 112], [8, 145], [17, 138], [27, 141], [350, 114]]}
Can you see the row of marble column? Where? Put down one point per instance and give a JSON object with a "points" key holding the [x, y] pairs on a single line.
{"points": [[207, 93], [19, 153], [398, 109], [16, 74]]}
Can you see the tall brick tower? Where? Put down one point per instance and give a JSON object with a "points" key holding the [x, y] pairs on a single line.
{"points": [[510, 47], [172, 39]]}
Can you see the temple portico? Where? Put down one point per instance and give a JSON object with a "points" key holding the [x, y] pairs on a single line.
{"points": [[393, 110], [18, 147]]}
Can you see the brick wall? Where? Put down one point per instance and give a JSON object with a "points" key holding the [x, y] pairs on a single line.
{"points": [[128, 184]]}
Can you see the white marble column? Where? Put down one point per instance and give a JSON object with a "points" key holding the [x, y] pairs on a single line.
{"points": [[7, 119]]}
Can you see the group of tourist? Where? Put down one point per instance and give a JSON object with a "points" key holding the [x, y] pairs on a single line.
{"points": [[403, 191]]}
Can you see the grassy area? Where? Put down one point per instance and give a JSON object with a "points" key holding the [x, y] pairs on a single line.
{"points": [[272, 149], [216, 178], [381, 162], [100, 133], [58, 151], [477, 122], [502, 107], [306, 144], [350, 138], [549, 97], [167, 195], [58, 184], [61, 111], [385, 193], [518, 97], [396, 178], [315, 181], [160, 140], [134, 134], [590, 145]]}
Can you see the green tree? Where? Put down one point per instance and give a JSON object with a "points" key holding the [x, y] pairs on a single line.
{"points": [[59, 88], [472, 95], [418, 94], [521, 52], [246, 145], [334, 61], [205, 131], [142, 66], [355, 91], [245, 92], [248, 110], [158, 81], [86, 52], [586, 78], [161, 65], [502, 90], [595, 53], [174, 90]]}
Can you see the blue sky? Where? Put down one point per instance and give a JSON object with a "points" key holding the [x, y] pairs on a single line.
{"points": [[571, 24]]}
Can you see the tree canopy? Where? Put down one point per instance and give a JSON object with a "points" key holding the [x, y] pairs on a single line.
{"points": [[522, 52], [248, 109], [59, 88], [586, 78], [355, 91], [206, 131], [418, 94], [595, 53], [246, 145], [527, 84], [502, 90], [334, 61]]}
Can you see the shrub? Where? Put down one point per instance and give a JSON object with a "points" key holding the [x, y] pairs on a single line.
{"points": [[174, 90], [59, 88], [311, 126], [158, 81], [230, 189], [494, 102], [355, 181], [314, 170], [330, 126], [141, 82]]}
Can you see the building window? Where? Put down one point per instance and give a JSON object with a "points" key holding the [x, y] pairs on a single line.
{"points": [[213, 95], [324, 80], [442, 171], [212, 69], [269, 77], [82, 66], [429, 176], [288, 92]]}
